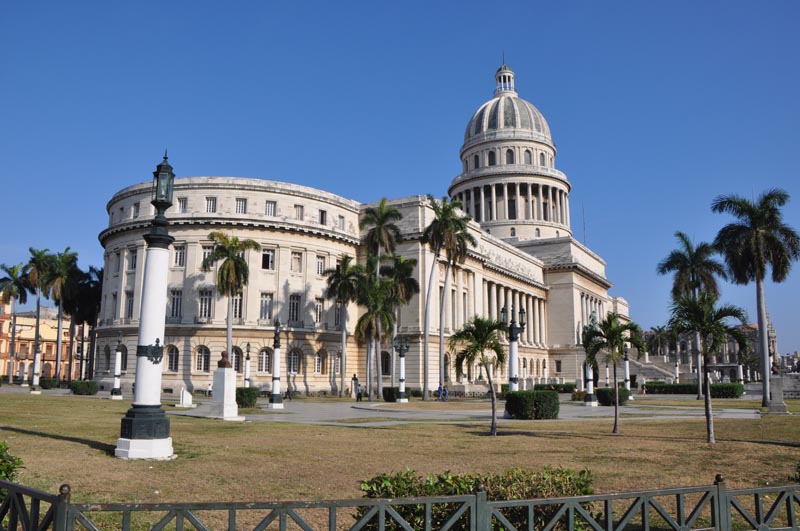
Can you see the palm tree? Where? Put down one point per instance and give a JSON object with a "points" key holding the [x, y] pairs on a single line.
{"points": [[376, 298], [71, 303], [695, 270], [62, 272], [38, 270], [758, 240], [90, 292], [449, 231], [343, 284], [610, 336], [478, 337], [232, 274], [659, 336], [383, 234], [403, 286], [14, 287], [702, 316]]}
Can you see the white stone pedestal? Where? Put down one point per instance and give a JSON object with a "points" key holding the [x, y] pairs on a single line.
{"points": [[186, 399], [223, 403]]}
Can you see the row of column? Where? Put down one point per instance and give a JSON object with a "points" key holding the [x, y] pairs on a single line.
{"points": [[516, 201], [496, 297], [589, 304]]}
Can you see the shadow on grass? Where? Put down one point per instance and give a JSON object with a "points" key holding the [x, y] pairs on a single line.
{"points": [[107, 449]]}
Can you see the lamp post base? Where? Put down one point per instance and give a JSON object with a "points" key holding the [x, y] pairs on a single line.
{"points": [[590, 400], [275, 402], [144, 434], [159, 449]]}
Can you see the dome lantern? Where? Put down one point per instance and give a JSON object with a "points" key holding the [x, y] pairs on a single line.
{"points": [[505, 81]]}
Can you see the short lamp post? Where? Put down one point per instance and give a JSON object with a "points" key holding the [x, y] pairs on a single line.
{"points": [[144, 433], [247, 367], [37, 362], [627, 370], [401, 346], [116, 392], [607, 375], [513, 340], [590, 399], [275, 398]]}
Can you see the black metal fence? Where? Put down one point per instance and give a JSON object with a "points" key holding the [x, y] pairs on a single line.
{"points": [[712, 507]]}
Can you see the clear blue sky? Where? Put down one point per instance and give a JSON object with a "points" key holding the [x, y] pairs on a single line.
{"points": [[655, 107]]}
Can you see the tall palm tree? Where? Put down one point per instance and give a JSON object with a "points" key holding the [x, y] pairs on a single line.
{"points": [[376, 298], [758, 240], [383, 234], [610, 336], [14, 287], [71, 305], [62, 272], [701, 315], [400, 273], [695, 269], [659, 336], [88, 310], [477, 341], [344, 282], [38, 270], [448, 232]]}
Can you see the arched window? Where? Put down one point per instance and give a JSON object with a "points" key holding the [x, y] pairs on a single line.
{"points": [[203, 361], [492, 158], [123, 359], [172, 358], [541, 159], [293, 365], [509, 156], [538, 233], [320, 359], [513, 232], [558, 234], [264, 359], [476, 162], [237, 359], [528, 159], [107, 355], [386, 364]]}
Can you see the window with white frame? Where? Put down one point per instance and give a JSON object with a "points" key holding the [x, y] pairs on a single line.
{"points": [[298, 212], [237, 306], [264, 360], [337, 363], [319, 359], [297, 262], [172, 358], [265, 308], [207, 250], [294, 307], [237, 359], [203, 359], [323, 217], [179, 258], [293, 362], [269, 208], [319, 310], [135, 211], [204, 309], [132, 259], [268, 259], [176, 303], [341, 222], [320, 265], [211, 205], [241, 205], [183, 205], [129, 305]]}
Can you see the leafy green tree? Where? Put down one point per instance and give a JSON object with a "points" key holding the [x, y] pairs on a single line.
{"points": [[703, 316], [61, 281], [38, 270], [344, 282], [757, 241], [14, 287], [404, 285], [610, 337], [479, 341], [382, 234], [376, 298], [448, 232], [233, 273]]}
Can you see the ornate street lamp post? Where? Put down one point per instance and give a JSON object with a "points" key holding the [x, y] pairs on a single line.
{"points": [[275, 398], [247, 367], [37, 362], [116, 392], [401, 346], [145, 428], [627, 370], [513, 339]]}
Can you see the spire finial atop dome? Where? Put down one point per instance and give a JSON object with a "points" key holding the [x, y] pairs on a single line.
{"points": [[505, 79]]}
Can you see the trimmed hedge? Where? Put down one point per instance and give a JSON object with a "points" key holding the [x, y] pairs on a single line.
{"points": [[532, 404], [246, 396], [561, 388], [48, 383], [391, 394], [727, 390], [515, 484], [84, 387], [605, 395], [718, 390], [578, 396]]}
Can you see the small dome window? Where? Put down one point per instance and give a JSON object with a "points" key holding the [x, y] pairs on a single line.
{"points": [[476, 161], [528, 159], [492, 158], [513, 232], [541, 159], [509, 156], [538, 233]]}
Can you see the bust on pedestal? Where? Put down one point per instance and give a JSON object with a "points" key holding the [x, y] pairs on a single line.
{"points": [[223, 403]]}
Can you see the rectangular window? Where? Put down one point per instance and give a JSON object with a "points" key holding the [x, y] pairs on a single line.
{"points": [[269, 208], [135, 212], [337, 314], [297, 262], [294, 308], [176, 300], [204, 311], [207, 250], [558, 365], [128, 305], [211, 205], [183, 207], [114, 306], [323, 217], [268, 259], [320, 265], [180, 256], [132, 255], [341, 222], [265, 309], [241, 205], [237, 306], [172, 359], [298, 212], [453, 309], [319, 310]]}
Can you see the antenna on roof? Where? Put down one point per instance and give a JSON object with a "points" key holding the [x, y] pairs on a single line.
{"points": [[504, 57]]}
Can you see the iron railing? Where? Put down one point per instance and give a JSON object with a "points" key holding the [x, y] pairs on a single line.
{"points": [[711, 507]]}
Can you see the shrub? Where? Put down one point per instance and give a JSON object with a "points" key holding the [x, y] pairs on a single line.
{"points": [[515, 484], [578, 396], [391, 394], [417, 393], [246, 396], [84, 387], [532, 404], [718, 390], [727, 390], [9, 464], [605, 396], [561, 388], [48, 383]]}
